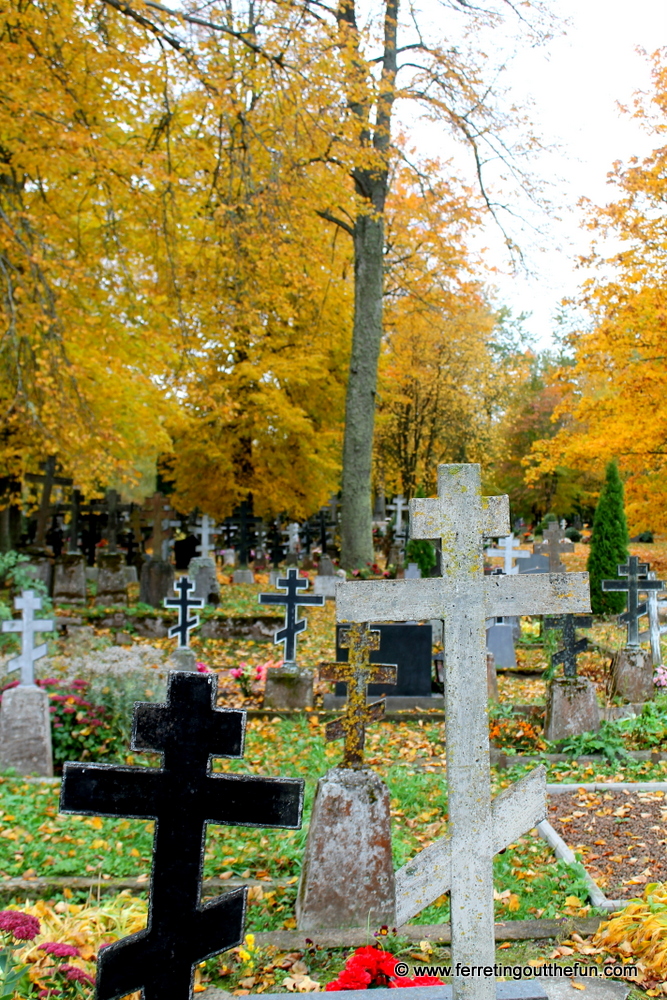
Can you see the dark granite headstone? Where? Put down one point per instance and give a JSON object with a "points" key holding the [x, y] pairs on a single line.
{"points": [[409, 647], [534, 564]]}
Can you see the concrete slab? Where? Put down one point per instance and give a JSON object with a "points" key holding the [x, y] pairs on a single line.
{"points": [[522, 989], [561, 988]]}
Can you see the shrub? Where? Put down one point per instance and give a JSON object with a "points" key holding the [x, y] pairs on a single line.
{"points": [[573, 534], [609, 544], [422, 552]]}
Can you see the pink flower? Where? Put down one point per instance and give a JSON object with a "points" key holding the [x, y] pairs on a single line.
{"points": [[203, 669], [236, 672], [76, 975], [59, 950], [22, 926]]}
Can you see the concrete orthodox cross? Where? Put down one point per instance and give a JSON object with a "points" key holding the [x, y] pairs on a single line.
{"points": [[509, 549], [634, 585], [567, 654], [292, 583], [185, 624], [553, 545], [464, 598], [358, 672], [28, 625], [655, 629], [400, 508], [204, 531], [47, 479], [182, 796], [158, 513]]}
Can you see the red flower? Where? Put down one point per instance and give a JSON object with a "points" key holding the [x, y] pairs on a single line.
{"points": [[76, 975], [415, 981], [59, 950], [22, 926]]}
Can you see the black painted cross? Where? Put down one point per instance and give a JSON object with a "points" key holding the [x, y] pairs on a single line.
{"points": [[276, 545], [243, 519], [633, 570], [292, 583], [185, 624], [182, 796], [572, 646], [553, 544], [358, 672]]}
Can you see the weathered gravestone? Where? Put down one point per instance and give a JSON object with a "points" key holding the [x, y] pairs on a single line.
{"points": [[554, 544], [25, 721], [157, 573], [183, 797], [655, 629], [69, 571], [202, 569], [289, 686], [347, 877], [500, 643], [462, 863], [183, 657], [632, 668], [535, 564], [572, 704], [410, 647], [326, 579]]}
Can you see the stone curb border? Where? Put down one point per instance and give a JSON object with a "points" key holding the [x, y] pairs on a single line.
{"points": [[561, 850]]}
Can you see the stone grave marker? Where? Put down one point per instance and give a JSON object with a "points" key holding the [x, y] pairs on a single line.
{"points": [[553, 544], [292, 534], [509, 549], [535, 563], [500, 643], [69, 572], [410, 647], [655, 629], [25, 720], [399, 507], [326, 579], [349, 839], [289, 686], [462, 862], [183, 797], [111, 579], [572, 704], [183, 655], [632, 668], [244, 521], [157, 574], [202, 569]]}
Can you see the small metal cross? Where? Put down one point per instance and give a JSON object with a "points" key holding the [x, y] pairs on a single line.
{"points": [[572, 646], [509, 549], [292, 583], [633, 586], [185, 624], [553, 545], [358, 672], [28, 625]]}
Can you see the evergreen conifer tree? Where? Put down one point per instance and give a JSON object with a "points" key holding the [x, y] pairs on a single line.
{"points": [[609, 544]]}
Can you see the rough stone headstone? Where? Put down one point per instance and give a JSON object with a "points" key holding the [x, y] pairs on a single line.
{"points": [[554, 544], [463, 598], [572, 708], [500, 642], [229, 557], [326, 579], [412, 572], [69, 579], [131, 575], [156, 583], [40, 568], [243, 576], [535, 564], [287, 687], [204, 573], [182, 796], [111, 585], [631, 675]]}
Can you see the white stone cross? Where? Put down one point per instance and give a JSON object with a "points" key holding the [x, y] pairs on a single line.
{"points": [[655, 629], [464, 598], [400, 507], [28, 625], [204, 531], [508, 548]]}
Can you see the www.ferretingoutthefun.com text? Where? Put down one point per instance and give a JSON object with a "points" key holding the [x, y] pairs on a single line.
{"points": [[518, 971]]}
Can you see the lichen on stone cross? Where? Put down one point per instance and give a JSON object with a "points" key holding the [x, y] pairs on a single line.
{"points": [[357, 673], [28, 625], [553, 545], [567, 654], [634, 586], [183, 603], [182, 797], [463, 598], [292, 583]]}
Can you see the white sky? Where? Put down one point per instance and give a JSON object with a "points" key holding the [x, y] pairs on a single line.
{"points": [[575, 83]]}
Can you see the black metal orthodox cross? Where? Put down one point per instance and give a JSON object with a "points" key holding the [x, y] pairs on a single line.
{"points": [[185, 624], [292, 583], [276, 545], [245, 521], [572, 646], [634, 585], [358, 672], [182, 797], [553, 545]]}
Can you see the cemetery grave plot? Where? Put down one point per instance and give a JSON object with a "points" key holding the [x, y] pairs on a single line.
{"points": [[621, 835]]}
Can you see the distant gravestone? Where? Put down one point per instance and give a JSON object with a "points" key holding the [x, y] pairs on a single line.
{"points": [[535, 563], [500, 642], [508, 549], [157, 573], [632, 668], [69, 571], [182, 797], [572, 705], [111, 580], [349, 839], [553, 545], [289, 686], [25, 720], [326, 579], [410, 648], [412, 572]]}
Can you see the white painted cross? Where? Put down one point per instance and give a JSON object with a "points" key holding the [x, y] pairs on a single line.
{"points": [[508, 548], [655, 629], [28, 625], [400, 507], [204, 531], [464, 598]]}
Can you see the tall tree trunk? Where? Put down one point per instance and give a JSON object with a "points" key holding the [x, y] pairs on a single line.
{"points": [[357, 535]]}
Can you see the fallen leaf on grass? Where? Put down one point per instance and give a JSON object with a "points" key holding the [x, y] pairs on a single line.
{"points": [[301, 984]]}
